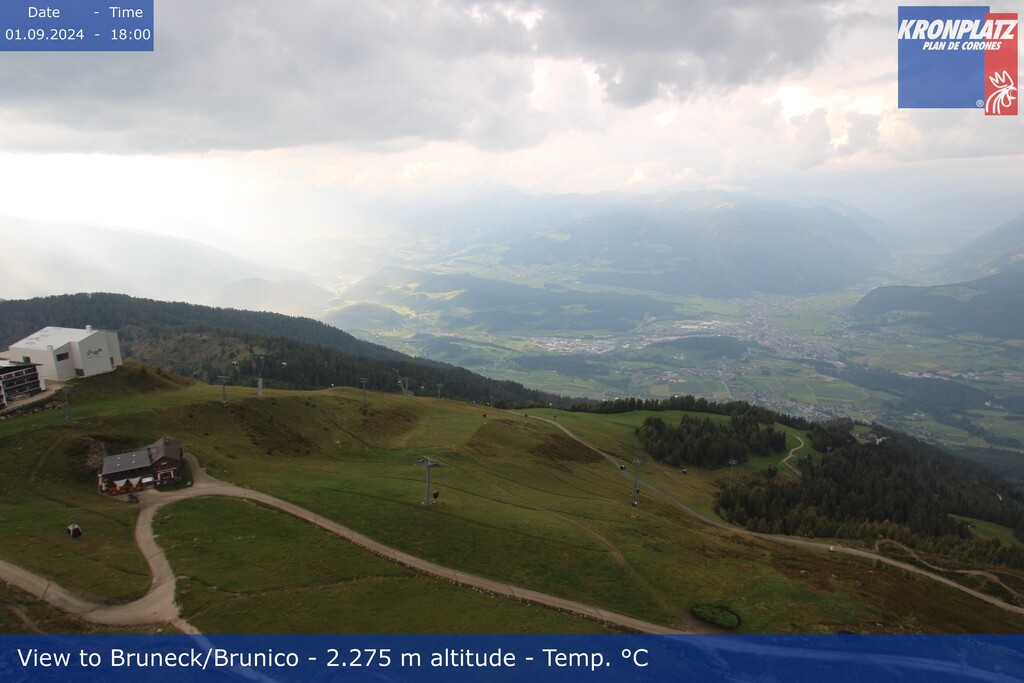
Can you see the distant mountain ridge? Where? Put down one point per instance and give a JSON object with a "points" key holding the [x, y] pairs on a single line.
{"points": [[719, 244], [302, 353], [715, 244], [46, 258], [711, 244], [462, 301], [990, 306], [998, 251]]}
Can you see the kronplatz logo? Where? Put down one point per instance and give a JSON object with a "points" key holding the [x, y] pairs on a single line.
{"points": [[958, 58]]}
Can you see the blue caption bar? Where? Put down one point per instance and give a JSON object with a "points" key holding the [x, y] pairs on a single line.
{"points": [[76, 26], [498, 659]]}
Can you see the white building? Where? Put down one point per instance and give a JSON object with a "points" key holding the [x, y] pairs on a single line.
{"points": [[65, 352]]}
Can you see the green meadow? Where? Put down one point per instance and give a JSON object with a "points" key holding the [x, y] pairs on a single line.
{"points": [[988, 531], [518, 501], [277, 574]]}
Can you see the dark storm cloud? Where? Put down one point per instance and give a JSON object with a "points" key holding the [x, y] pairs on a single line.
{"points": [[255, 74], [651, 47], [260, 74]]}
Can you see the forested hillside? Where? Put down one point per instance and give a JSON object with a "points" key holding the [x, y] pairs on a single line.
{"points": [[706, 443], [989, 306], [132, 316], [693, 404], [206, 343], [899, 488]]}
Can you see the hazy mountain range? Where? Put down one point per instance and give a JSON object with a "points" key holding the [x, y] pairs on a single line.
{"points": [[709, 245], [56, 258], [716, 244], [990, 305], [998, 251], [465, 301], [705, 243]]}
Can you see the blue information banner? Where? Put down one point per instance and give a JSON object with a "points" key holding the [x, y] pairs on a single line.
{"points": [[76, 26], [944, 74], [533, 659]]}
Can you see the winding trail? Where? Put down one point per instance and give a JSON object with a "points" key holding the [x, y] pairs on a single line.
{"points": [[157, 606], [967, 572], [792, 540], [727, 389], [792, 452]]}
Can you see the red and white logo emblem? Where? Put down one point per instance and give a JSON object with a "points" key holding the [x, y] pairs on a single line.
{"points": [[1001, 94], [1004, 94]]}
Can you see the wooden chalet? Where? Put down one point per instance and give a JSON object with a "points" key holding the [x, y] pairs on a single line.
{"points": [[152, 465]]}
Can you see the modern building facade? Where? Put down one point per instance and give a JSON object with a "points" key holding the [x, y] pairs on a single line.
{"points": [[18, 380], [65, 352]]}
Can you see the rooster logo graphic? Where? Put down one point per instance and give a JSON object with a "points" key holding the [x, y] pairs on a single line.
{"points": [[1003, 95]]}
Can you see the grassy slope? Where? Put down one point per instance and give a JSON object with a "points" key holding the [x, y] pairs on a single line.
{"points": [[518, 501], [987, 531], [276, 574]]}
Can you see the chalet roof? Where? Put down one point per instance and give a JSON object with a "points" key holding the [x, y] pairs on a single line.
{"points": [[142, 457]]}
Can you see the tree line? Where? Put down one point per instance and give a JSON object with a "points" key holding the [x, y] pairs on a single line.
{"points": [[709, 443], [691, 404], [899, 489]]}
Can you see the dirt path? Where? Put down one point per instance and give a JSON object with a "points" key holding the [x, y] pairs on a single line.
{"points": [[791, 540], [968, 572], [26, 621], [792, 452], [158, 606], [727, 389]]}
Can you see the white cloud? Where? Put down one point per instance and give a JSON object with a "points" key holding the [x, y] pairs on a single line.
{"points": [[266, 113], [666, 118]]}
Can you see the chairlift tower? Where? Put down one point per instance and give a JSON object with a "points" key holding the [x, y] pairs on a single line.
{"points": [[732, 462], [223, 379], [363, 381], [439, 390], [259, 359], [428, 463], [67, 402]]}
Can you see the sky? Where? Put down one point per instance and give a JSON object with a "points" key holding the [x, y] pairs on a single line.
{"points": [[255, 121]]}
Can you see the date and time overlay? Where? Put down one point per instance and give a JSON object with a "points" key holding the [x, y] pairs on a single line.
{"points": [[76, 26]]}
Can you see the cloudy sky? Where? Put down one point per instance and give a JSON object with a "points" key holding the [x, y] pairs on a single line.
{"points": [[255, 118]]}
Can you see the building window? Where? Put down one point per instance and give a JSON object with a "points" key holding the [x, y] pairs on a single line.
{"points": [[26, 359], [63, 356], [111, 361]]}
